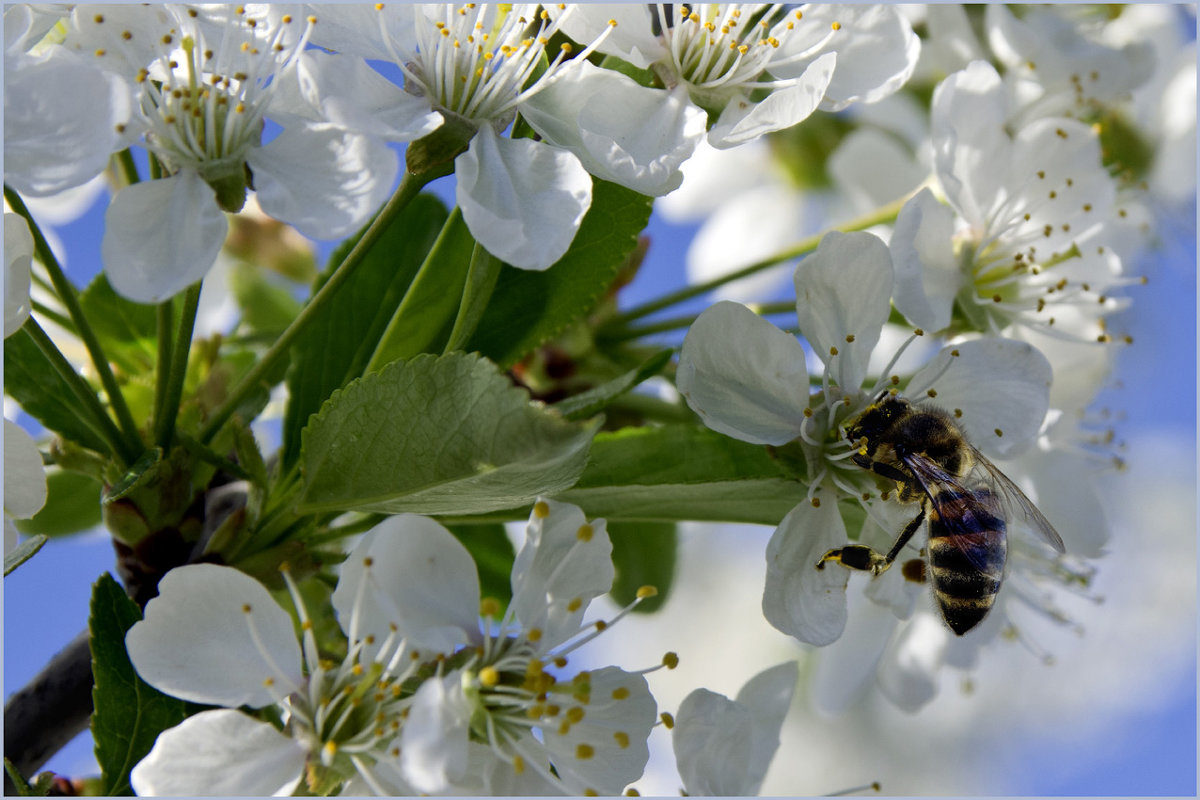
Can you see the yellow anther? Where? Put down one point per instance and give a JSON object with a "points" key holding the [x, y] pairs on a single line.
{"points": [[489, 676], [585, 533], [667, 720], [584, 751], [647, 591], [670, 660], [621, 693], [489, 607], [622, 739], [541, 509]]}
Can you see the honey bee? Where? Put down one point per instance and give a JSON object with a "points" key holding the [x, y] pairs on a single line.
{"points": [[967, 500]]}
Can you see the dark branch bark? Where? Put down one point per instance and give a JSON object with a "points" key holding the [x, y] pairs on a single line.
{"points": [[50, 711]]}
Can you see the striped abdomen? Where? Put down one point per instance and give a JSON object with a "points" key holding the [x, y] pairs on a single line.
{"points": [[967, 548]]}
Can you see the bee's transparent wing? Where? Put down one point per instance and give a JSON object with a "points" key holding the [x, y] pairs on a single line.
{"points": [[1016, 503], [966, 514]]}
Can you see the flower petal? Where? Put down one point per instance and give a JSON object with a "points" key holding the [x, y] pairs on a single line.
{"points": [[18, 261], [433, 741], [24, 475], [927, 271], [621, 131], [632, 39], [161, 236], [607, 749], [908, 670], [743, 120], [346, 92], [564, 564], [743, 376], [713, 742], [420, 579], [220, 754], [215, 636], [843, 297], [799, 599], [1001, 387], [522, 200], [321, 179], [61, 121]]}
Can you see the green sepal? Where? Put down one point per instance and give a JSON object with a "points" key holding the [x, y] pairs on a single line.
{"points": [[23, 552], [152, 495]]}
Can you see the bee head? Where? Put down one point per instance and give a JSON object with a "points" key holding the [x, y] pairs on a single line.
{"points": [[877, 418]]}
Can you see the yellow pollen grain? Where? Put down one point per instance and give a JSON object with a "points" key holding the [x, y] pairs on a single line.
{"points": [[518, 764], [330, 748], [584, 751], [489, 676], [541, 510], [575, 604], [535, 635], [833, 351], [585, 533], [816, 502], [268, 682], [601, 625], [998, 432], [622, 739], [670, 660], [849, 338], [931, 392], [837, 26], [245, 608], [620, 693], [575, 715], [958, 412]]}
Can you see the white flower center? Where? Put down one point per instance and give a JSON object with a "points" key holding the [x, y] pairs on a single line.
{"points": [[477, 60], [718, 49]]}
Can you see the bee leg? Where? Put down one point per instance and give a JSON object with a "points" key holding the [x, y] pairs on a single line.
{"points": [[861, 557]]}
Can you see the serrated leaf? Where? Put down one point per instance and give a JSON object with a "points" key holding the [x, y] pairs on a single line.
{"points": [[31, 380], [72, 505], [682, 472], [585, 404], [338, 342], [528, 308], [129, 713], [437, 435], [644, 555], [494, 556], [23, 552]]}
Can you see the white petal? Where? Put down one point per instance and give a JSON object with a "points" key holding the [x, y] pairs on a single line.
{"points": [[743, 376], [61, 115], [799, 599], [161, 236], [876, 48], [522, 200], [970, 145], [346, 92], [564, 564], [842, 673], [433, 741], [743, 120], [927, 272], [323, 180], [768, 696], [386, 33], [999, 385], [908, 670], [621, 131], [421, 579], [619, 713], [873, 168], [632, 40], [220, 753], [843, 297], [199, 642], [18, 260], [713, 741], [24, 475]]}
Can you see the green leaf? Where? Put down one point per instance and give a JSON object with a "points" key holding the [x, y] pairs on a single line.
{"points": [[682, 472], [437, 435], [528, 308], [127, 331], [494, 556], [31, 380], [129, 713], [585, 404], [644, 555], [72, 505], [266, 306], [23, 552], [338, 343], [423, 322]]}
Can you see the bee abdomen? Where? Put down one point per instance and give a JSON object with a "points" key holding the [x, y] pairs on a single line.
{"points": [[966, 570]]}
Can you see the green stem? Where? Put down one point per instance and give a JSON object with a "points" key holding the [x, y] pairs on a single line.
{"points": [[409, 187], [879, 216], [53, 315], [94, 415], [66, 293], [129, 170], [481, 280], [164, 424], [162, 370], [675, 323]]}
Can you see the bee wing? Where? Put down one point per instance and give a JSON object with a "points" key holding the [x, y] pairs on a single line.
{"points": [[1017, 504], [964, 513]]}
